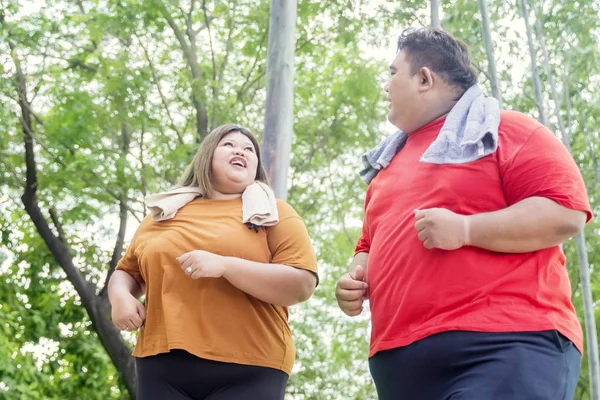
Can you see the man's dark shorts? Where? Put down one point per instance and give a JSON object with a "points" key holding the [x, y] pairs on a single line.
{"points": [[461, 365]]}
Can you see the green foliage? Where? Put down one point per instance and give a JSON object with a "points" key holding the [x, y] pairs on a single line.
{"points": [[111, 86]]}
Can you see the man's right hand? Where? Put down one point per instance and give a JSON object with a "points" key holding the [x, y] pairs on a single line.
{"points": [[128, 313], [351, 291]]}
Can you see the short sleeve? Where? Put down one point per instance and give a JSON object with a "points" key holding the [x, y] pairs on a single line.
{"points": [[129, 263], [543, 167], [363, 244], [289, 242]]}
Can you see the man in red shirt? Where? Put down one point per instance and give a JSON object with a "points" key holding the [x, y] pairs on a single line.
{"points": [[468, 289]]}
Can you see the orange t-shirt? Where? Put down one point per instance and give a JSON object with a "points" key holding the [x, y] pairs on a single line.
{"points": [[210, 317]]}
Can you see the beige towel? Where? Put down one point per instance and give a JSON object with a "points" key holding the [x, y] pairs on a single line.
{"points": [[164, 205], [259, 205]]}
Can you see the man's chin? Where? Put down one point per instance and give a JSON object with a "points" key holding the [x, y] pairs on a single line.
{"points": [[392, 121]]}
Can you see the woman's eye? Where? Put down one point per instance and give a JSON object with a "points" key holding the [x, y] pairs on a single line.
{"points": [[228, 144], [250, 149]]}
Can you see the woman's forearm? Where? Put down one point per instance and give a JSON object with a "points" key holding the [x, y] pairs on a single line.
{"points": [[271, 283], [121, 282]]}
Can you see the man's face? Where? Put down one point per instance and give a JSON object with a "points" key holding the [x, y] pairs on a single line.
{"points": [[403, 94]]}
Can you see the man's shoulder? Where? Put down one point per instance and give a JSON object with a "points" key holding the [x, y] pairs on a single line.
{"points": [[515, 122], [516, 128], [515, 131]]}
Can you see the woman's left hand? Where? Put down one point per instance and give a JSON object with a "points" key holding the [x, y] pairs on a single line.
{"points": [[202, 264]]}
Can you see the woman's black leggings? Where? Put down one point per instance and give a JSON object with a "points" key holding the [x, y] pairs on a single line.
{"points": [[179, 375]]}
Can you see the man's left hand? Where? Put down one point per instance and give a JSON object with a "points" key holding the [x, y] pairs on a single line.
{"points": [[443, 229]]}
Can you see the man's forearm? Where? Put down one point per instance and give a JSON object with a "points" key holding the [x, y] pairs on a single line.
{"points": [[532, 224]]}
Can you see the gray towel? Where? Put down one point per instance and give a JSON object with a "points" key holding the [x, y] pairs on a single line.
{"points": [[381, 156], [469, 133]]}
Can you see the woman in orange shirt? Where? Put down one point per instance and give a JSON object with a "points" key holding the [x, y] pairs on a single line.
{"points": [[215, 322]]}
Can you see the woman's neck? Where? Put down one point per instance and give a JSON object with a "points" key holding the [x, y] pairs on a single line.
{"points": [[216, 195]]}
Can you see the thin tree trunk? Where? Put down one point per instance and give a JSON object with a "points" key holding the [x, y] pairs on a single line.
{"points": [[548, 68], [567, 96], [279, 110], [489, 50], [582, 257], [593, 153], [435, 14], [591, 334], [535, 77]]}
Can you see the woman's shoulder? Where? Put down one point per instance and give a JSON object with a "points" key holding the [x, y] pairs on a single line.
{"points": [[285, 210]]}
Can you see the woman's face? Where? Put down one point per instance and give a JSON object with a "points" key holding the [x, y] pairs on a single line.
{"points": [[234, 164]]}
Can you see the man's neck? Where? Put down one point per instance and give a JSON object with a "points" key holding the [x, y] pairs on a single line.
{"points": [[435, 112]]}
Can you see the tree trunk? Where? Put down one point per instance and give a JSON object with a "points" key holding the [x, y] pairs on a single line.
{"points": [[435, 14], [97, 307], [582, 257], [489, 50], [279, 110], [535, 77]]}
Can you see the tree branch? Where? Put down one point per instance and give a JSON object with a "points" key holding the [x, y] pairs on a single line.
{"points": [[80, 5], [123, 207], [28, 106], [162, 96], [57, 224], [213, 83], [227, 48], [227, 51], [178, 34], [246, 83], [143, 168], [118, 249], [189, 52]]}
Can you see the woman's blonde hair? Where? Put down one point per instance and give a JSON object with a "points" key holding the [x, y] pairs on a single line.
{"points": [[199, 172]]}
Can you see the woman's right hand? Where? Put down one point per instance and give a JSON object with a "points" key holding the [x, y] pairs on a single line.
{"points": [[128, 313]]}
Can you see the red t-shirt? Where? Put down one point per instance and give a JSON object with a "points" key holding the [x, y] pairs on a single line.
{"points": [[415, 292]]}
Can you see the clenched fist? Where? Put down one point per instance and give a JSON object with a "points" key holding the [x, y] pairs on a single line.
{"points": [[128, 313], [440, 228], [351, 291]]}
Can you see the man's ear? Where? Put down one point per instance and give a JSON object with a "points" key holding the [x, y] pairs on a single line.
{"points": [[425, 79]]}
